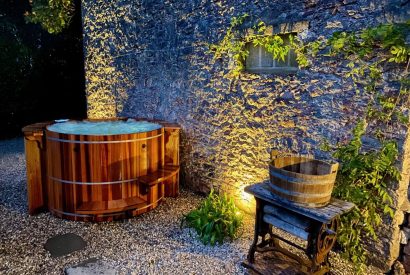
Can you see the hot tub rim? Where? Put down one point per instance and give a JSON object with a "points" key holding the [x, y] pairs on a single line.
{"points": [[47, 130]]}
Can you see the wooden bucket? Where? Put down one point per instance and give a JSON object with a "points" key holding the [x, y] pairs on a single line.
{"points": [[302, 180]]}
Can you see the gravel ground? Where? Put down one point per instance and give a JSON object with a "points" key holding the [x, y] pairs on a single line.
{"points": [[149, 244]]}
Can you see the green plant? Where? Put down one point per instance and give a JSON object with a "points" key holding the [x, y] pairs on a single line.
{"points": [[215, 219], [369, 52], [363, 180], [53, 15], [365, 176]]}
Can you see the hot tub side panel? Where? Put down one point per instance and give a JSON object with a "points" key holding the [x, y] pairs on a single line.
{"points": [[171, 157]]}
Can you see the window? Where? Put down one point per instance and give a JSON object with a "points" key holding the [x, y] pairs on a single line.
{"points": [[261, 61]]}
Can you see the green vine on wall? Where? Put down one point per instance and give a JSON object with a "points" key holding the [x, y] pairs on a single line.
{"points": [[365, 175], [233, 45], [369, 53], [363, 179], [366, 56]]}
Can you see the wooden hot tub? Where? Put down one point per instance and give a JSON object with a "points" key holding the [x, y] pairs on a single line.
{"points": [[106, 172]]}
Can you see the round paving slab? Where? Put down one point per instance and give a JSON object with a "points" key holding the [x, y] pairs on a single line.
{"points": [[65, 244], [92, 266]]}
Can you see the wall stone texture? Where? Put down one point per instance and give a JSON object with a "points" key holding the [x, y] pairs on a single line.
{"points": [[148, 58]]}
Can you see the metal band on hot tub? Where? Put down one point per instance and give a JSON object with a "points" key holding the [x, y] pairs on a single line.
{"points": [[107, 214], [91, 183], [102, 141]]}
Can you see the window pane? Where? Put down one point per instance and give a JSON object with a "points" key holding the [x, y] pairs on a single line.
{"points": [[260, 60], [252, 60], [284, 63], [280, 63], [266, 58], [292, 59]]}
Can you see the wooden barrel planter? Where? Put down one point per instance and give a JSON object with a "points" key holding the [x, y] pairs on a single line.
{"points": [[105, 177], [302, 180]]}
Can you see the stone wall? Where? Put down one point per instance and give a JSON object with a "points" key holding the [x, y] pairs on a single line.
{"points": [[148, 58]]}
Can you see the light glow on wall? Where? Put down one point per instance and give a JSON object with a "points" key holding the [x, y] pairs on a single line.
{"points": [[243, 200]]}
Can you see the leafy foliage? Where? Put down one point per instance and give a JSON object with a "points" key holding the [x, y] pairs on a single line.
{"points": [[53, 15], [215, 219], [232, 46], [390, 37], [363, 180], [364, 176], [370, 51]]}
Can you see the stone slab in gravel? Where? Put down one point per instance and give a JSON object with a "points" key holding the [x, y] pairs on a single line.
{"points": [[64, 244], [91, 266]]}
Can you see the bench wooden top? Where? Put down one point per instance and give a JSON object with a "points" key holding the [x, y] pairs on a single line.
{"points": [[323, 214], [35, 128]]}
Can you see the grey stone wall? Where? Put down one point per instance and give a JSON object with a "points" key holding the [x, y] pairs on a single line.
{"points": [[148, 58]]}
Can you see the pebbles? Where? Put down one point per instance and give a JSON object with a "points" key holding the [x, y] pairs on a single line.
{"points": [[152, 243]]}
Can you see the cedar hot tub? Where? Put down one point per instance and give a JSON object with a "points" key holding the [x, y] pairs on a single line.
{"points": [[106, 170]]}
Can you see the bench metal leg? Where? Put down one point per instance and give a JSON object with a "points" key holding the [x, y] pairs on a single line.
{"points": [[258, 226], [321, 239]]}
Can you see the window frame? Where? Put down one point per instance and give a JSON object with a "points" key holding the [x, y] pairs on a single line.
{"points": [[274, 69]]}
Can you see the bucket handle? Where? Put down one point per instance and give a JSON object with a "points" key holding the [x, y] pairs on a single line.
{"points": [[274, 154], [334, 167]]}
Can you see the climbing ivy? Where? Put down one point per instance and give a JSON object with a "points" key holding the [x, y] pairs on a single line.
{"points": [[368, 53], [365, 175], [363, 180], [233, 44], [366, 57]]}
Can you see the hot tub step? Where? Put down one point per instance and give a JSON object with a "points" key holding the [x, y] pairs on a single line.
{"points": [[159, 176], [101, 207]]}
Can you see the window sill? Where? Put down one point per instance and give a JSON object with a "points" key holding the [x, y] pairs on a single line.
{"points": [[277, 70]]}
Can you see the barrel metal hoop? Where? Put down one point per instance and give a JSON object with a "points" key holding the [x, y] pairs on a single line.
{"points": [[92, 183], [106, 214], [102, 141], [319, 181], [304, 195]]}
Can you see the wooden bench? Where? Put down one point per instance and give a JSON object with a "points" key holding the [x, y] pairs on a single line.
{"points": [[316, 226]]}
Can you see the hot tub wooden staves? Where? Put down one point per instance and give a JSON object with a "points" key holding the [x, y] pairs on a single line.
{"points": [[109, 177]]}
